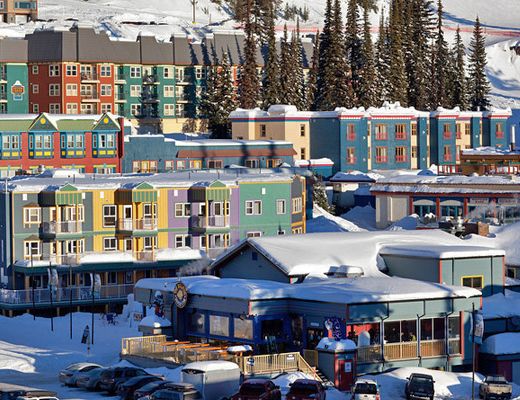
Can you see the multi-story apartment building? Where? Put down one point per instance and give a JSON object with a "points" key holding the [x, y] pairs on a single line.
{"points": [[390, 137], [68, 230], [30, 143], [153, 83], [18, 11], [13, 76]]}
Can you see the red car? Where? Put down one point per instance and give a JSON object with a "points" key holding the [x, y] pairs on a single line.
{"points": [[303, 389], [258, 389]]}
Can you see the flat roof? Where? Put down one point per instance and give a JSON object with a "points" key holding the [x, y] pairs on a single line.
{"points": [[440, 251]]}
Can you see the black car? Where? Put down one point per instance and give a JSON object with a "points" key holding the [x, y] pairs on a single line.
{"points": [[150, 388], [126, 389], [420, 387], [113, 377], [181, 393]]}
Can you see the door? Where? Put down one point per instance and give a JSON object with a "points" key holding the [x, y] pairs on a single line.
{"points": [[127, 217], [516, 372], [345, 373]]}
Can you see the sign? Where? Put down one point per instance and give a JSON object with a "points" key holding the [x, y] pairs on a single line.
{"points": [[507, 201], [85, 339], [289, 357], [138, 316], [18, 90], [180, 295], [251, 361], [484, 201], [477, 331], [348, 366]]}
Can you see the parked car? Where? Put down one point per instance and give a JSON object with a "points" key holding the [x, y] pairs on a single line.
{"points": [[420, 387], [495, 387], [302, 389], [126, 389], [90, 380], [150, 388], [366, 389], [69, 374], [113, 377], [258, 389], [12, 392], [177, 391], [36, 398]]}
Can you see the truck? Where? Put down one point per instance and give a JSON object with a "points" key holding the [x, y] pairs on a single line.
{"points": [[215, 380], [495, 387]]}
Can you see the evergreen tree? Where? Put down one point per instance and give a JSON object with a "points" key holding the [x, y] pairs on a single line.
{"points": [[248, 85], [441, 65], [479, 87], [323, 50], [271, 82], [353, 44], [398, 85], [319, 196], [367, 74], [459, 81], [382, 62], [299, 99], [313, 74], [218, 99], [287, 78]]}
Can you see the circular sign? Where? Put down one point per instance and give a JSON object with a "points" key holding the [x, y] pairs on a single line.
{"points": [[180, 295]]}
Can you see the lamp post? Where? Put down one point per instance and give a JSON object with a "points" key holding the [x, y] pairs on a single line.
{"points": [[70, 298]]}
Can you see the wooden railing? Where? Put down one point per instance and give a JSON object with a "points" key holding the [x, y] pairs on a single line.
{"points": [[275, 363], [407, 350], [433, 348], [369, 353], [142, 345], [399, 351], [311, 356]]}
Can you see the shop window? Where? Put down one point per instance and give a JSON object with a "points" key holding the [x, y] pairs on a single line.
{"points": [[215, 164], [272, 328], [253, 163], [243, 328], [433, 329], [197, 323], [218, 325]]}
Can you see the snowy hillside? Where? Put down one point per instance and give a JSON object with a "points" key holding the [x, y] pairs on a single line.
{"points": [[127, 18]]}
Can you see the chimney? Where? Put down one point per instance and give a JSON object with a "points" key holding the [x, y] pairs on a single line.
{"points": [[513, 137]]}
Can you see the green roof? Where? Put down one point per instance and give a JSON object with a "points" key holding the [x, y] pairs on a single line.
{"points": [[15, 125], [75, 124]]}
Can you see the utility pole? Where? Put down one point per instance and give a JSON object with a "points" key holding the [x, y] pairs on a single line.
{"points": [[473, 351], [194, 4]]}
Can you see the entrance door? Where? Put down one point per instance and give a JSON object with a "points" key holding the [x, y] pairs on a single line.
{"points": [[345, 374], [127, 217]]}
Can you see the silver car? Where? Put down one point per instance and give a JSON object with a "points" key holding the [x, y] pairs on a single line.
{"points": [[69, 375], [366, 389]]}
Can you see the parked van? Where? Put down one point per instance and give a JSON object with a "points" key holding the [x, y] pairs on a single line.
{"points": [[213, 379], [14, 392]]}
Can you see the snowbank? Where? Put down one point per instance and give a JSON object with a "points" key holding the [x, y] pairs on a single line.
{"points": [[502, 343], [323, 221], [336, 345]]}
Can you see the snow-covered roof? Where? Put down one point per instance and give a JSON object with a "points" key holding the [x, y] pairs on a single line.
{"points": [[440, 251], [314, 162], [502, 343], [48, 181], [189, 141], [297, 255], [207, 366], [336, 345], [333, 290], [355, 176], [501, 305], [154, 321], [491, 151]]}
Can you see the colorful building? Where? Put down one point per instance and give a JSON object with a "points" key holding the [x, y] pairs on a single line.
{"points": [[62, 227], [485, 161], [17, 12], [165, 153], [390, 137], [14, 85], [434, 198]]}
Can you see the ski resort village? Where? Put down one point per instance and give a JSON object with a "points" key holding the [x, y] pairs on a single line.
{"points": [[259, 200]]}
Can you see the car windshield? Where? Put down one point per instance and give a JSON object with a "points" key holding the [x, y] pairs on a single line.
{"points": [[496, 379], [422, 381], [303, 388], [365, 388], [252, 389]]}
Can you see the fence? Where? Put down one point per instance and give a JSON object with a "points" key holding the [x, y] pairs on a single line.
{"points": [[407, 350]]}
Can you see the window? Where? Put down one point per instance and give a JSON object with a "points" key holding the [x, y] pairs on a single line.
{"points": [[446, 131], [135, 90], [457, 152], [72, 70], [475, 282], [433, 329], [106, 70], [54, 89], [263, 130], [381, 132], [72, 108], [499, 130], [253, 234], [88, 109], [351, 155], [135, 109], [400, 154], [169, 91], [35, 88], [182, 210], [381, 155], [109, 244], [179, 74], [179, 110], [281, 207], [302, 130], [168, 72], [106, 90], [351, 132], [253, 163], [297, 231], [106, 108], [218, 326], [273, 162], [459, 129], [254, 207], [54, 70], [32, 215], [54, 108], [71, 89], [112, 278], [135, 72], [182, 241], [467, 129], [35, 70], [169, 110], [181, 164], [200, 73], [197, 323], [109, 216], [35, 108], [400, 131], [32, 249], [447, 153], [243, 328], [414, 128], [150, 242], [10, 142], [414, 152], [297, 205], [215, 164], [303, 153]]}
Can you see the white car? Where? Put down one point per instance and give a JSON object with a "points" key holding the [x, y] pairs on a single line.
{"points": [[366, 389], [69, 375]]}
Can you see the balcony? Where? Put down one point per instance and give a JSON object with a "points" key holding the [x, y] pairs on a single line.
{"points": [[210, 222], [120, 78], [150, 79], [130, 225], [149, 98], [42, 297], [120, 97], [66, 259], [145, 256], [408, 350], [92, 96], [89, 77], [64, 227]]}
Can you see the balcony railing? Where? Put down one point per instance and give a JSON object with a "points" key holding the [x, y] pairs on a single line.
{"points": [[408, 350], [150, 79], [62, 295], [145, 255], [90, 96], [66, 259], [89, 76], [213, 221], [144, 224], [62, 227]]}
